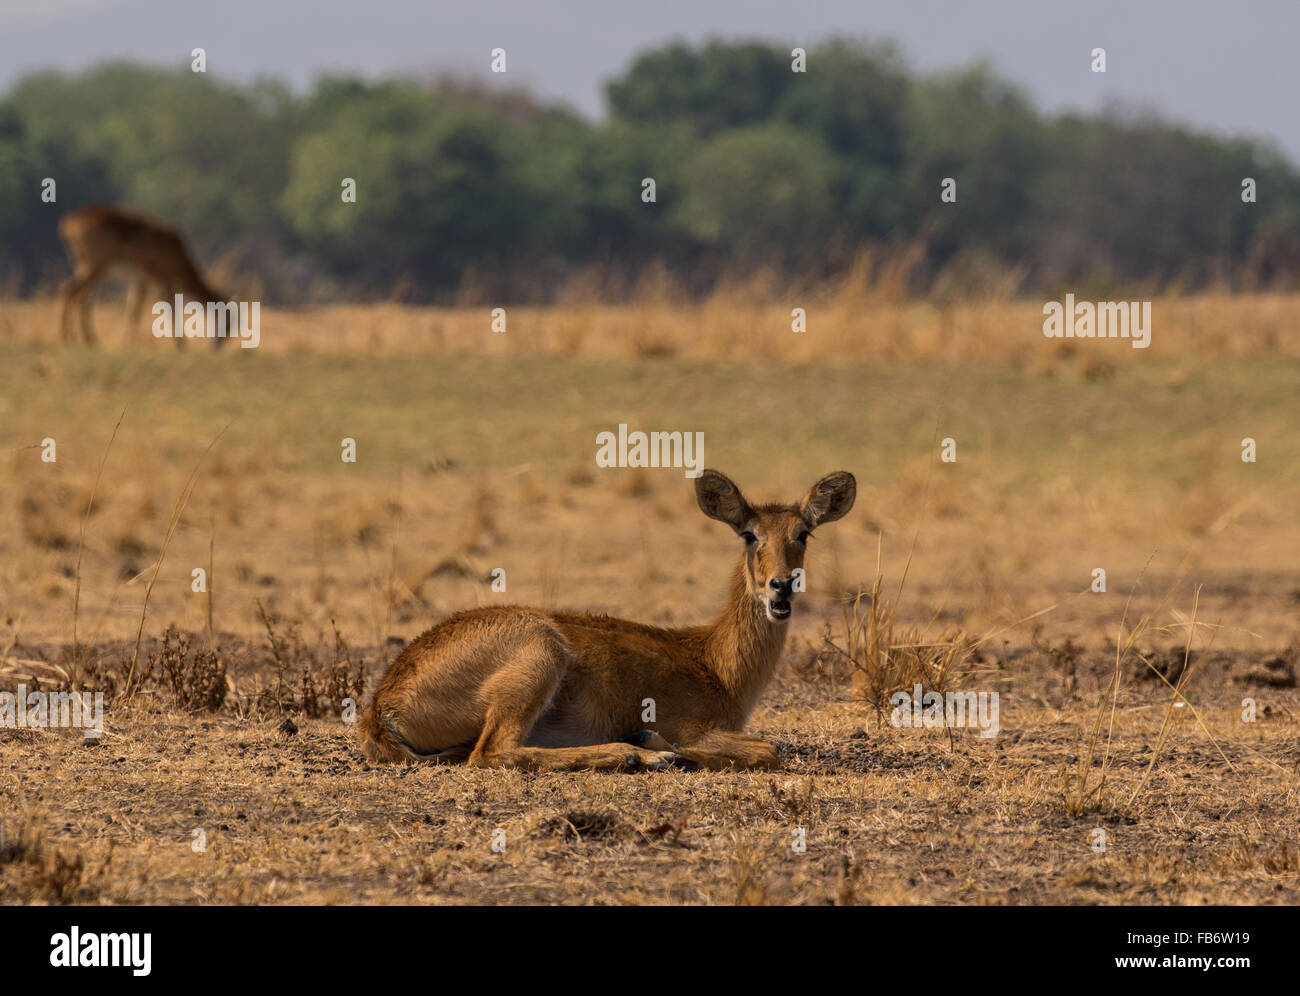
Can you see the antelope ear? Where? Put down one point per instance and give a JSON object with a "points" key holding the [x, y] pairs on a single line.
{"points": [[829, 499], [720, 499]]}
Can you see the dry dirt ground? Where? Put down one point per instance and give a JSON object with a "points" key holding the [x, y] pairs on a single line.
{"points": [[888, 816], [473, 457]]}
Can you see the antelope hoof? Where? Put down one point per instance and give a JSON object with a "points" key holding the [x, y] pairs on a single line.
{"points": [[649, 740], [656, 761]]}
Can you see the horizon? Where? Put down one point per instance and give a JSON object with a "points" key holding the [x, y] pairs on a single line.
{"points": [[1213, 71]]}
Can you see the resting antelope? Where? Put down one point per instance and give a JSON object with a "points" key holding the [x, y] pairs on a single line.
{"points": [[562, 691], [97, 238]]}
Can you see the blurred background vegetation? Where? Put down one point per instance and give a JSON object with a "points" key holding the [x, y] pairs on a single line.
{"points": [[468, 192]]}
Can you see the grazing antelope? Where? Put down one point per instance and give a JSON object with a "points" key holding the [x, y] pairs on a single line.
{"points": [[563, 691], [98, 237]]}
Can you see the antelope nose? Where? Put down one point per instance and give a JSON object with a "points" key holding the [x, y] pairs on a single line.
{"points": [[780, 586]]}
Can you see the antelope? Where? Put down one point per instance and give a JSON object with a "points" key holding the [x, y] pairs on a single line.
{"points": [[98, 237], [562, 691]]}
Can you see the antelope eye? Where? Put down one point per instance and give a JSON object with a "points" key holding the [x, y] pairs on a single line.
{"points": [[749, 537], [804, 536]]}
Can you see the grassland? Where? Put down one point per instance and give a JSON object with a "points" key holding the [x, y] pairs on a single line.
{"points": [[476, 451]]}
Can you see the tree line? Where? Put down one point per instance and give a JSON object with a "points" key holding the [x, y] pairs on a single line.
{"points": [[472, 189]]}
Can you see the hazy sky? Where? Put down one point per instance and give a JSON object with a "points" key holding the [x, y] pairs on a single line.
{"points": [[1230, 67]]}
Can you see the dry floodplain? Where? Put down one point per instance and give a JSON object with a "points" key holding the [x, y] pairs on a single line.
{"points": [[1146, 747]]}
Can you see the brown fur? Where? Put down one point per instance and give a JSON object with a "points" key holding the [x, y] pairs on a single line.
{"points": [[98, 237], [556, 691]]}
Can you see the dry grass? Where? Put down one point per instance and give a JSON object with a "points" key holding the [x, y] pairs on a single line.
{"points": [[891, 816], [862, 318], [476, 453], [886, 657]]}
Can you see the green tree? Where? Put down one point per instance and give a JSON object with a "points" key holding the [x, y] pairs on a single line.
{"points": [[761, 194], [721, 85], [437, 190], [983, 133]]}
